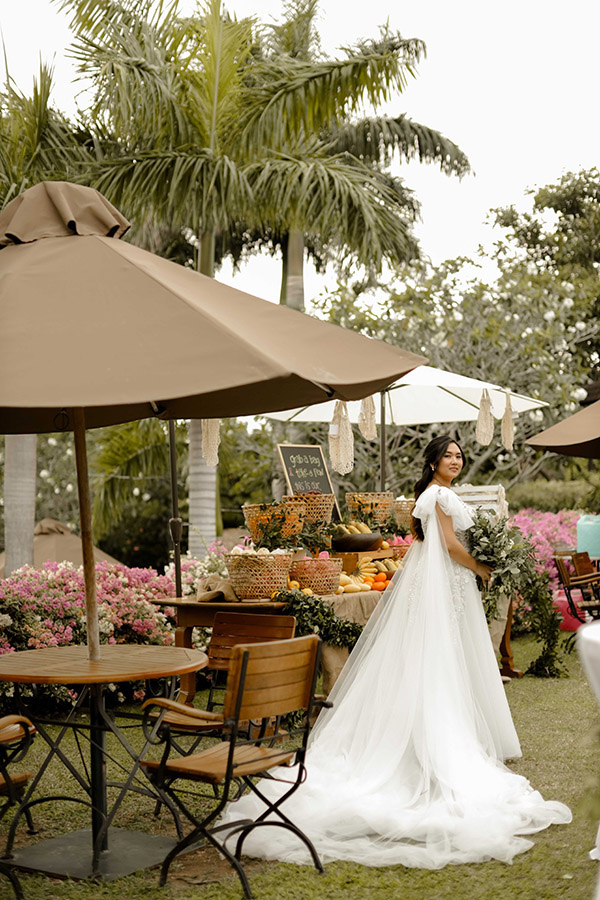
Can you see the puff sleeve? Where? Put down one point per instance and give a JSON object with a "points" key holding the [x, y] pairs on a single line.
{"points": [[448, 502]]}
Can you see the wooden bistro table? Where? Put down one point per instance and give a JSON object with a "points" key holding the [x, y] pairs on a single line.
{"points": [[101, 852], [192, 614]]}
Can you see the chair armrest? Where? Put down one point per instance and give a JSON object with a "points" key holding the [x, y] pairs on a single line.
{"points": [[174, 706], [14, 728]]}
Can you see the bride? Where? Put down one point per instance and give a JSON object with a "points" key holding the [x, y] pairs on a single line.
{"points": [[407, 767]]}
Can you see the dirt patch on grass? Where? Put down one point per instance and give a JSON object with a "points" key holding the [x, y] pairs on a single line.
{"points": [[207, 866]]}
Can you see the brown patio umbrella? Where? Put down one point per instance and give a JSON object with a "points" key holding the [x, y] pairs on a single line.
{"points": [[579, 435], [94, 331]]}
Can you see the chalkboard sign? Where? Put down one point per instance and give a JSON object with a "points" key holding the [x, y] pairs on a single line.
{"points": [[305, 470]]}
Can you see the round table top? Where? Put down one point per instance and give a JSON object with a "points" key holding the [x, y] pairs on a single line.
{"points": [[118, 662]]}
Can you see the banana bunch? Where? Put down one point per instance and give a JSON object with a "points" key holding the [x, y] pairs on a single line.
{"points": [[353, 528], [352, 584], [386, 565]]}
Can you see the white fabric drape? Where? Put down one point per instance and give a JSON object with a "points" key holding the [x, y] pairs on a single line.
{"points": [[407, 766]]}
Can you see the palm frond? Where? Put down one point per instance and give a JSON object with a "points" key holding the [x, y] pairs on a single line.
{"points": [[296, 97], [339, 198], [188, 184], [378, 138], [128, 454]]}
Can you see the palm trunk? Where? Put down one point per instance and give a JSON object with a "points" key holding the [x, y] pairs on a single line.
{"points": [[295, 270], [202, 488], [19, 499], [202, 479], [284, 270]]}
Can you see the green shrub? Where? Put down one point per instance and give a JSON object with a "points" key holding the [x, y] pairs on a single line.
{"points": [[550, 496]]}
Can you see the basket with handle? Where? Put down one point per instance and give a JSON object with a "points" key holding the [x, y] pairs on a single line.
{"points": [[290, 513], [322, 576], [403, 512], [257, 577], [319, 507], [379, 504]]}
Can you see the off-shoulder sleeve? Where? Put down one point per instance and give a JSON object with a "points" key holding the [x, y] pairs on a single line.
{"points": [[448, 502]]}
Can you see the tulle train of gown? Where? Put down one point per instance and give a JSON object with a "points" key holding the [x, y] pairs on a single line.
{"points": [[407, 766]]}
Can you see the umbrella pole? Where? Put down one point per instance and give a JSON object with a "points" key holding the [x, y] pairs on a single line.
{"points": [[85, 516], [382, 442], [175, 523]]}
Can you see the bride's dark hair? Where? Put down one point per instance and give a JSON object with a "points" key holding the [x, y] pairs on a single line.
{"points": [[434, 452]]}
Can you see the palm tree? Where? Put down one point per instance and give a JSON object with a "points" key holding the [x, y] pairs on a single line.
{"points": [[196, 124], [37, 143]]}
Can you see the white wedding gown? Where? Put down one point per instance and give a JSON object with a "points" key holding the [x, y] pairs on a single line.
{"points": [[407, 765]]}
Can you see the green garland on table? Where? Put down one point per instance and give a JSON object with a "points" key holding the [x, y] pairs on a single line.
{"points": [[511, 554], [315, 616]]}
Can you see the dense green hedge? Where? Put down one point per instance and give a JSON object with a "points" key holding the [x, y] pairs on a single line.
{"points": [[550, 496]]}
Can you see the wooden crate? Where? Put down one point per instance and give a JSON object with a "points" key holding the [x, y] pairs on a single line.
{"points": [[350, 560]]}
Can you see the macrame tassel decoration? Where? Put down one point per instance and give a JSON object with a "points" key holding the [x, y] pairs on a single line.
{"points": [[341, 440], [211, 438], [366, 419], [508, 427], [484, 431]]}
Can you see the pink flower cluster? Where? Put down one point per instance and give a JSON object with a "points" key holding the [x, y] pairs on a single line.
{"points": [[52, 601], [548, 532]]}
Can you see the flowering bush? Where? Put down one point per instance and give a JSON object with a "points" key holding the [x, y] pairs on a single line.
{"points": [[192, 570], [548, 531], [46, 608]]}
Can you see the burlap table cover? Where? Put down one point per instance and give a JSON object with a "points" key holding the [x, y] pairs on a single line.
{"points": [[354, 608]]}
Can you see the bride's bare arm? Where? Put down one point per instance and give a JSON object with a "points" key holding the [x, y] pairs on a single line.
{"points": [[456, 550]]}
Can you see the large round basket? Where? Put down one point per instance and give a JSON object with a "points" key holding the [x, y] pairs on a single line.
{"points": [[403, 512], [257, 577], [380, 505], [319, 507], [289, 515], [322, 576]]}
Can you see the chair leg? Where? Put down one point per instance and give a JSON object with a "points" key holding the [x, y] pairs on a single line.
{"points": [[234, 861], [6, 870]]}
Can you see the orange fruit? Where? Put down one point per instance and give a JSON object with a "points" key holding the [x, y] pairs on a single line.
{"points": [[379, 585], [381, 576]]}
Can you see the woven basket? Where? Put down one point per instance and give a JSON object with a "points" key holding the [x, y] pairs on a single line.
{"points": [[292, 511], [319, 507], [378, 504], [403, 512], [322, 576], [256, 577]]}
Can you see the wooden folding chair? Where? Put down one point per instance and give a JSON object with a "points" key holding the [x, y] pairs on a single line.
{"points": [[265, 680], [16, 735], [228, 630], [588, 586]]}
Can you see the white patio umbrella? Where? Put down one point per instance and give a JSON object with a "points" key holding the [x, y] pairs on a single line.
{"points": [[425, 396]]}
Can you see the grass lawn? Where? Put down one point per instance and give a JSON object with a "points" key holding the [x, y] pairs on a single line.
{"points": [[556, 722]]}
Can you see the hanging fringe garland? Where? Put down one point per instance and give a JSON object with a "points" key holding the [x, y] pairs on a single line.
{"points": [[341, 440], [507, 430], [484, 431], [211, 438], [366, 419]]}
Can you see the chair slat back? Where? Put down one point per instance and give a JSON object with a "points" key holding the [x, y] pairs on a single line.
{"points": [[583, 564], [563, 572], [230, 629], [278, 677]]}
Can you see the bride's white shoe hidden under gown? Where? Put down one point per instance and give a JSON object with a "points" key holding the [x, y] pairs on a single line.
{"points": [[407, 766]]}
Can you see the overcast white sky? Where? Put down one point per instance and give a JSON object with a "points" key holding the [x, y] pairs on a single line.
{"points": [[515, 84]]}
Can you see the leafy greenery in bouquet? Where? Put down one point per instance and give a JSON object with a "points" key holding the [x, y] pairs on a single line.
{"points": [[497, 543]]}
